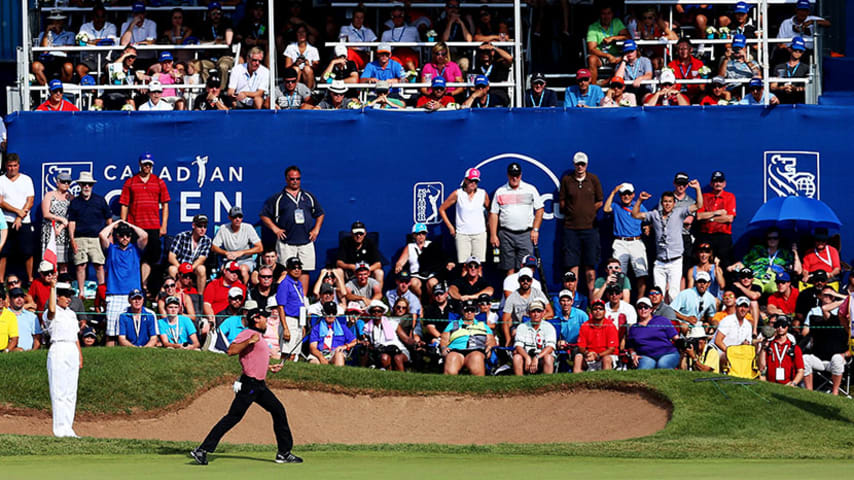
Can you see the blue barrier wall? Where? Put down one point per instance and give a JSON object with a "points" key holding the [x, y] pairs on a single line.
{"points": [[383, 167]]}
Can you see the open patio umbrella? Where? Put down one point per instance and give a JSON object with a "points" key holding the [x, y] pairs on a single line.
{"points": [[798, 213]]}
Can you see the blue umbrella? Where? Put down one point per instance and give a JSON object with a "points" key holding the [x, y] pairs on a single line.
{"points": [[800, 213]]}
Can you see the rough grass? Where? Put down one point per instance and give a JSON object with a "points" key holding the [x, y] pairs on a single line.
{"points": [[763, 421]]}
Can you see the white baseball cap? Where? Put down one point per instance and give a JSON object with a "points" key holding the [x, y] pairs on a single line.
{"points": [[579, 157], [340, 51], [627, 187]]}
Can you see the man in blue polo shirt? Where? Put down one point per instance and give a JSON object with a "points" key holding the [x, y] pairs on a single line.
{"points": [[293, 308], [583, 94], [295, 216], [383, 68], [628, 247], [137, 325], [567, 320], [123, 269], [29, 328]]}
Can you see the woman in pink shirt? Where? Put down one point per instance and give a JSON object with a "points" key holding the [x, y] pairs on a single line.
{"points": [[442, 66]]}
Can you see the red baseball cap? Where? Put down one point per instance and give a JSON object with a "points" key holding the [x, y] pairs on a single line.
{"points": [[231, 267], [185, 268], [582, 73]]}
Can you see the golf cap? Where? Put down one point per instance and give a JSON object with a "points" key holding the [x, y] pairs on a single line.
{"points": [[718, 81], [798, 44], [88, 332], [481, 81], [289, 73], [525, 272], [200, 220], [473, 174], [438, 82], [469, 305], [138, 7], [538, 78], [569, 277], [597, 303], [235, 292], [214, 6], [404, 276], [629, 46], [377, 305], [172, 300], [782, 277], [362, 266], [755, 83], [185, 268], [514, 169], [17, 292], [340, 51], [146, 158], [326, 288], [419, 228], [439, 289], [745, 273], [155, 86], [529, 261], [382, 86], [582, 73], [580, 157], [739, 41], [802, 5], [231, 267], [45, 266], [54, 85], [358, 227], [566, 293], [667, 76], [742, 7], [165, 57], [644, 301], [472, 259], [702, 276], [63, 177], [782, 321], [740, 301], [718, 176], [384, 47], [627, 187], [330, 308], [293, 262], [484, 298], [681, 178], [617, 81], [235, 212], [536, 305], [135, 293], [818, 276]]}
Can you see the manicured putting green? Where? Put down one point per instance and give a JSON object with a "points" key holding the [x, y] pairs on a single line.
{"points": [[373, 465]]}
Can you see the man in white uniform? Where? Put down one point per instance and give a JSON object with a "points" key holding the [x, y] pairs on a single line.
{"points": [[65, 359]]}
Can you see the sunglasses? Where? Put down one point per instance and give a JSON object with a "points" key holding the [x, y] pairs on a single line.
{"points": [[400, 307], [187, 275], [598, 307], [65, 182], [294, 179], [168, 285], [617, 85], [290, 81], [440, 54], [265, 276], [358, 234], [649, 17], [654, 293], [773, 238], [470, 309], [644, 307]]}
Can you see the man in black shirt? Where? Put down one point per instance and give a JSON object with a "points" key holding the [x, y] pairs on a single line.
{"points": [[437, 313], [810, 298], [471, 285], [214, 99], [359, 248], [788, 92], [538, 95], [88, 214], [217, 30]]}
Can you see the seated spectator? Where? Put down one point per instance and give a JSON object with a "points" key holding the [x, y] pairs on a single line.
{"points": [[29, 328], [737, 63], [745, 286], [616, 96], [88, 337], [493, 63], [292, 305], [451, 26], [54, 64], [597, 341], [650, 340], [274, 327], [480, 96], [269, 258], [88, 213], [381, 99], [667, 94], [340, 68], [436, 98], [334, 99], [516, 305], [615, 278], [570, 282], [821, 257], [330, 340], [419, 259], [170, 289], [138, 30], [176, 330], [177, 33], [765, 260], [472, 284], [740, 22], [250, 81], [214, 98], [356, 31], [662, 309], [436, 314], [829, 343], [383, 68], [124, 71], [727, 307], [383, 340], [489, 28], [230, 326], [802, 24], [602, 37], [534, 343], [695, 306], [652, 26], [238, 242], [707, 262], [168, 75], [583, 93], [217, 292], [361, 288], [93, 32], [567, 321], [687, 67], [326, 294], [193, 247], [782, 359], [789, 92], [399, 31], [441, 66], [252, 32], [410, 327], [155, 99], [734, 329], [783, 301], [756, 94], [484, 303], [538, 95], [266, 289], [403, 281], [359, 248], [137, 325], [40, 288], [719, 95], [216, 29], [810, 297], [303, 57], [467, 343], [55, 101], [634, 68], [620, 312], [8, 327], [511, 282], [331, 278]]}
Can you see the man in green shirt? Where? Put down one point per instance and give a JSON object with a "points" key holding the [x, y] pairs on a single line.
{"points": [[602, 38]]}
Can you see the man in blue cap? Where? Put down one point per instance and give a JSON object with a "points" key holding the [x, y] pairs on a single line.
{"points": [[802, 24], [139, 30], [481, 98], [789, 92], [737, 63], [756, 94], [137, 325], [55, 102], [437, 98], [634, 69], [169, 76]]}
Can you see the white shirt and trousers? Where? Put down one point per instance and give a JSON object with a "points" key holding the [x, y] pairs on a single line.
{"points": [[63, 369], [470, 225]]}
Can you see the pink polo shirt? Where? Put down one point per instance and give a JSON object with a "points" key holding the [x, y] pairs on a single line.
{"points": [[256, 357], [451, 72], [167, 79]]}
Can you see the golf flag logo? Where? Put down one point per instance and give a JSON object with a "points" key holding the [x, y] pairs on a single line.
{"points": [[50, 250]]}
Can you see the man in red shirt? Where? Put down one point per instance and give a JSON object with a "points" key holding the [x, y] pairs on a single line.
{"points": [[216, 292], [437, 98], [687, 67], [597, 341], [822, 257], [716, 219], [783, 301], [143, 197], [40, 288], [783, 359], [55, 102]]}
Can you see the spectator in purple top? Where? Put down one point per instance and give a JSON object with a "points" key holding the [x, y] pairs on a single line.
{"points": [[650, 340]]}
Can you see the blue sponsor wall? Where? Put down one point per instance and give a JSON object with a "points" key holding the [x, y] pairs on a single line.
{"points": [[386, 168]]}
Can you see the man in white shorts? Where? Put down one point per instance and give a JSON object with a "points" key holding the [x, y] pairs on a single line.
{"points": [[238, 242]]}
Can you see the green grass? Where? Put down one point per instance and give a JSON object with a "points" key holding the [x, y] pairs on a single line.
{"points": [[381, 465], [763, 422]]}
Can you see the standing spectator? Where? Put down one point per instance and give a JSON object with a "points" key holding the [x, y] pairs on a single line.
{"points": [[534, 343], [583, 93], [176, 330], [684, 199], [144, 199], [137, 325], [695, 307], [602, 37], [29, 328], [88, 214], [155, 101], [292, 305], [238, 242], [288, 214], [687, 67], [469, 227], [55, 217], [481, 98], [193, 247], [617, 95], [628, 247], [539, 96], [634, 68], [357, 32], [667, 221], [716, 217], [249, 82], [781, 358], [123, 269], [650, 340], [303, 57], [55, 101], [362, 289], [515, 218], [16, 194], [580, 198], [801, 24], [597, 341], [64, 360], [788, 92], [358, 248], [668, 94]]}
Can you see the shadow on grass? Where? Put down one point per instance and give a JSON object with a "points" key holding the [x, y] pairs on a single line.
{"points": [[824, 411]]}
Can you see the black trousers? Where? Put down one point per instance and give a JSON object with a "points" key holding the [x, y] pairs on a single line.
{"points": [[252, 391]]}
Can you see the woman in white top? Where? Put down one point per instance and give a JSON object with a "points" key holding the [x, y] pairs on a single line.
{"points": [[303, 57], [385, 349], [470, 231], [64, 359]]}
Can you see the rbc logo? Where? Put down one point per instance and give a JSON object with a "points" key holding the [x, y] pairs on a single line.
{"points": [[789, 173], [426, 198], [51, 169]]}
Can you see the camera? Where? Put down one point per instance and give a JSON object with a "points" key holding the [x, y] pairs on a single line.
{"points": [[683, 343]]}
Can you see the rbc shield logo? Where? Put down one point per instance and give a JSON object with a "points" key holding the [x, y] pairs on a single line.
{"points": [[51, 169], [790, 173], [426, 198]]}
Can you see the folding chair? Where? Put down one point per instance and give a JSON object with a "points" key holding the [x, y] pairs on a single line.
{"points": [[741, 361], [823, 381]]}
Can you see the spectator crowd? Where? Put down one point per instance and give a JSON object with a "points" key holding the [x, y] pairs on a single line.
{"points": [[625, 62], [670, 292]]}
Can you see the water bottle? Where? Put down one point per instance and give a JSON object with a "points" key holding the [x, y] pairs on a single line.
{"points": [[496, 255]]}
